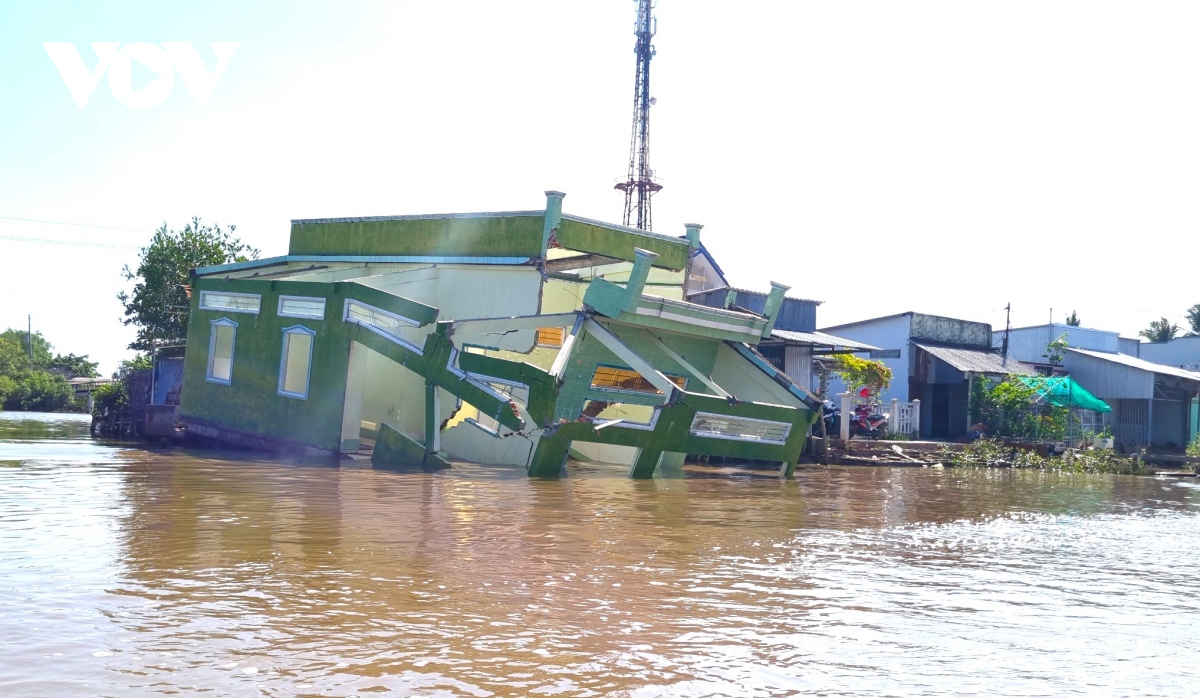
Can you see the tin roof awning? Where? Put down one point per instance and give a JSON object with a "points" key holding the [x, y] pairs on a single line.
{"points": [[1139, 364], [978, 361], [820, 339]]}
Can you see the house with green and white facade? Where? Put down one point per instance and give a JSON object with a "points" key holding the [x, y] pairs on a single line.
{"points": [[518, 338]]}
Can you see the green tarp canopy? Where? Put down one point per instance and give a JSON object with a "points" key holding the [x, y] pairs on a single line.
{"points": [[1061, 391]]}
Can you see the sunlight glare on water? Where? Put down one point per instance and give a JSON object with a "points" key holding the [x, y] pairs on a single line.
{"points": [[126, 571]]}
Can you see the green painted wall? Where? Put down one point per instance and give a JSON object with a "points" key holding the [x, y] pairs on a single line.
{"points": [[619, 244], [499, 236], [251, 401]]}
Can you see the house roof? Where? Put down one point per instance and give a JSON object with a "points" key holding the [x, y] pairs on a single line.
{"points": [[977, 360], [821, 339], [1141, 364]]}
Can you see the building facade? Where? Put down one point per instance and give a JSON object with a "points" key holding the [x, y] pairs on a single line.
{"points": [[512, 338]]}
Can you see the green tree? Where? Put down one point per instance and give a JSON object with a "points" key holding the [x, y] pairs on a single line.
{"points": [[858, 373], [1073, 319], [158, 303], [1055, 350], [42, 387], [72, 366], [40, 391], [42, 350], [1193, 318], [1161, 330]]}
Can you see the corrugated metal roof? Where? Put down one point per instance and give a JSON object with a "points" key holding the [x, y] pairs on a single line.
{"points": [[978, 361], [1142, 364], [821, 339]]}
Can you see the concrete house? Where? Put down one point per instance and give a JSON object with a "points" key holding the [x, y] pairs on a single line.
{"points": [[509, 338], [933, 359]]}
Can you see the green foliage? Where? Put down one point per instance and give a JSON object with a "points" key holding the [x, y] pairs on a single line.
{"points": [[158, 303], [989, 453], [1161, 330], [1055, 350], [42, 355], [40, 391], [42, 386], [1007, 409], [140, 362], [111, 397], [858, 373], [1073, 319], [1193, 449], [1193, 318], [72, 366]]}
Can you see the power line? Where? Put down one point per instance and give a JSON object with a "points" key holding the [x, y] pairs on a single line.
{"points": [[68, 242], [76, 225]]}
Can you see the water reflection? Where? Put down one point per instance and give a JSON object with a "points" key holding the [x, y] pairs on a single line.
{"points": [[163, 571]]}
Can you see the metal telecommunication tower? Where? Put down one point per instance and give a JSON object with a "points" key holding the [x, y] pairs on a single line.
{"points": [[639, 185]]}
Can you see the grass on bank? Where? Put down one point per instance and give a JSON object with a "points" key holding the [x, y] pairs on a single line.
{"points": [[990, 453]]}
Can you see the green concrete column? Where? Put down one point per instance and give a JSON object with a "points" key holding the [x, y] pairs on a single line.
{"points": [[549, 457], [553, 218], [645, 463], [432, 412], [643, 259], [693, 234]]}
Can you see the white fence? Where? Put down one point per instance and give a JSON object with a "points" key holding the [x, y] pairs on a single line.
{"points": [[904, 417]]}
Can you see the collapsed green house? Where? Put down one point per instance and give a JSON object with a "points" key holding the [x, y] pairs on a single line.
{"points": [[515, 338]]}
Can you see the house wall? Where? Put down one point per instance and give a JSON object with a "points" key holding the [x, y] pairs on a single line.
{"points": [[390, 393], [1183, 352], [1106, 379], [745, 381], [950, 330], [703, 276], [1029, 343], [885, 333], [251, 401], [1131, 347]]}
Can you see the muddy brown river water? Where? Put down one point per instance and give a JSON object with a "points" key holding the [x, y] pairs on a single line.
{"points": [[128, 572]]}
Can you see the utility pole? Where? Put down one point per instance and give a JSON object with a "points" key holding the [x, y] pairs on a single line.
{"points": [[29, 339], [1007, 324], [639, 184]]}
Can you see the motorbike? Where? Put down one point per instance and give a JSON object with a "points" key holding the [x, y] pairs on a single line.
{"points": [[864, 421], [867, 422]]}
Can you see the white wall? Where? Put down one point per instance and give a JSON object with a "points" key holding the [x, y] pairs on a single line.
{"points": [[885, 333]]}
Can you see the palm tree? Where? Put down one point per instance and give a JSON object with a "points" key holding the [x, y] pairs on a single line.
{"points": [[1160, 331], [1193, 318]]}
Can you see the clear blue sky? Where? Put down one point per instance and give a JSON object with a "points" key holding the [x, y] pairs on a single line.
{"points": [[944, 157]]}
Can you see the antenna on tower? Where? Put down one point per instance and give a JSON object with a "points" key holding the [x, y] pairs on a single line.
{"points": [[639, 184]]}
